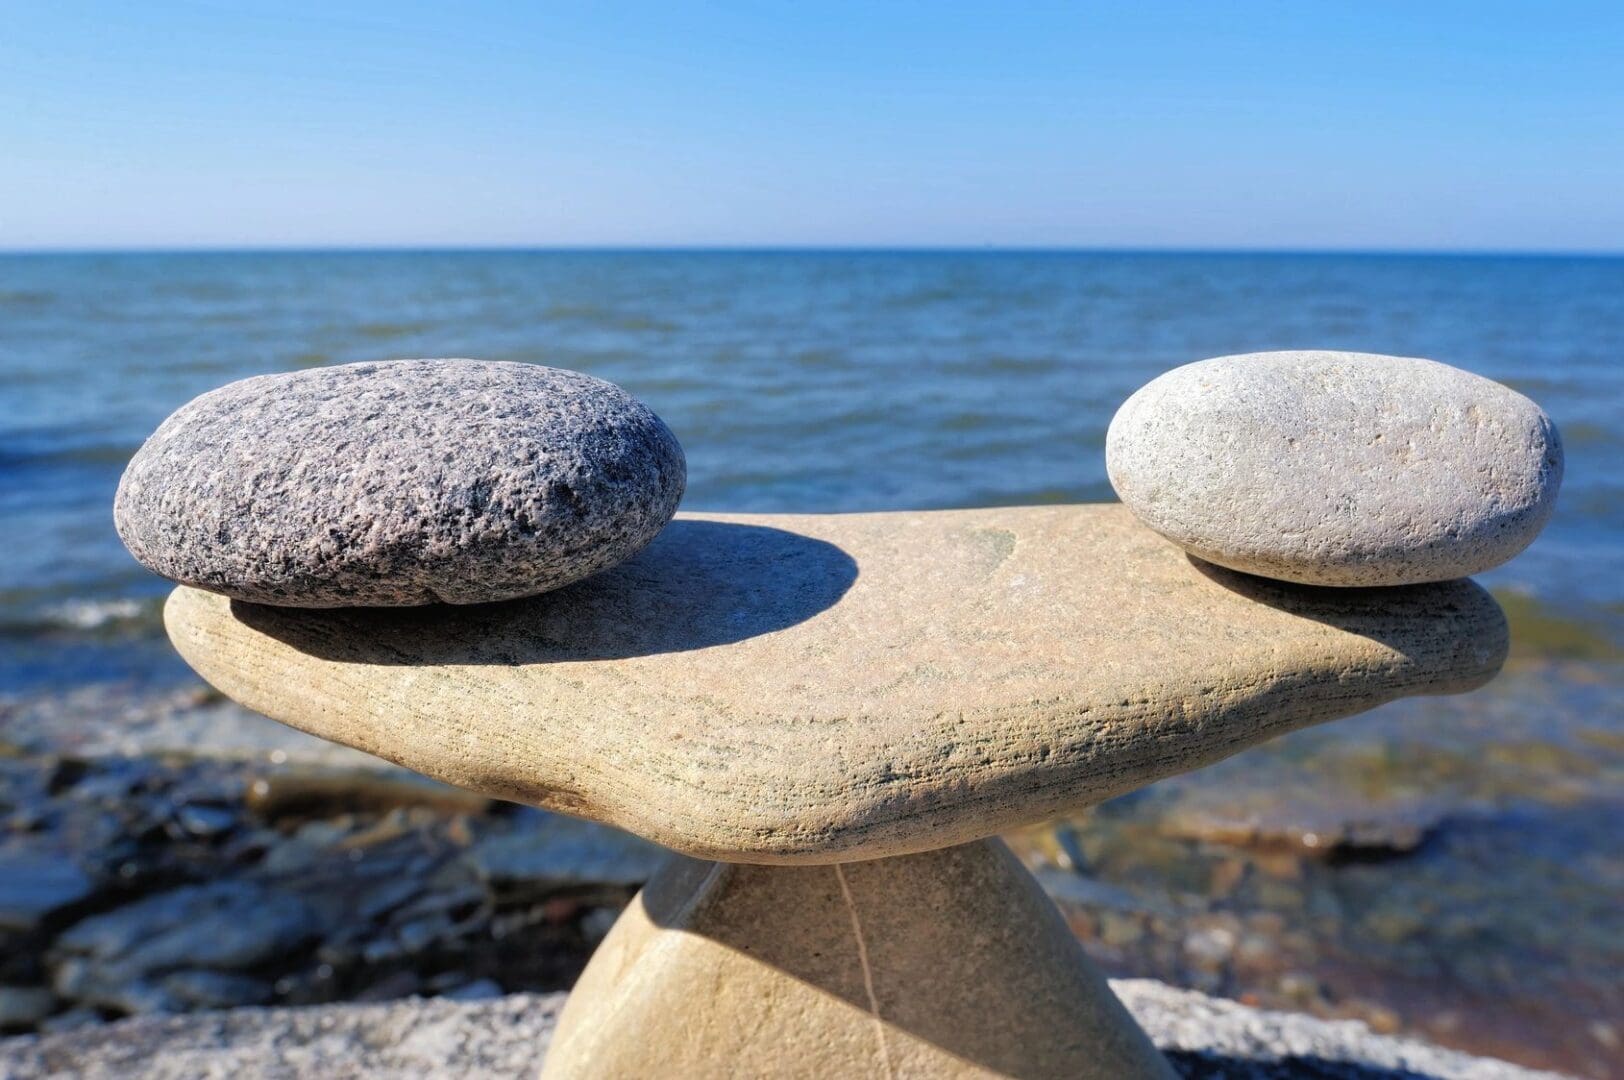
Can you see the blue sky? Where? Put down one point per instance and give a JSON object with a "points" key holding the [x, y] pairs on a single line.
{"points": [[1306, 124]]}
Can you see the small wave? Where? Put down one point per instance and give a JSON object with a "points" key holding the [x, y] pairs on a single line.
{"points": [[118, 617], [1541, 631], [1019, 365], [390, 329], [925, 297], [967, 422], [608, 318], [98, 454], [94, 614], [1582, 433], [821, 358], [224, 365], [204, 290]]}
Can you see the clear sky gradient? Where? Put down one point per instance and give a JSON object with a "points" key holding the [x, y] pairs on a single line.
{"points": [[1303, 124]]}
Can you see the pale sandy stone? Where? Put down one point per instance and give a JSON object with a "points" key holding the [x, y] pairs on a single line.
{"points": [[820, 688], [948, 964], [399, 483], [1335, 468]]}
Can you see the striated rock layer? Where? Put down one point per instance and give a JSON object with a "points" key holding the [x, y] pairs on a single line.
{"points": [[824, 688]]}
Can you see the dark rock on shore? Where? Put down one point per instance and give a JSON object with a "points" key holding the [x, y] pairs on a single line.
{"points": [[174, 948], [35, 885], [207, 884]]}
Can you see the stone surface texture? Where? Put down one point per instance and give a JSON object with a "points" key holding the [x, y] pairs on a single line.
{"points": [[505, 1039], [823, 688], [400, 483], [1333, 468], [819, 971]]}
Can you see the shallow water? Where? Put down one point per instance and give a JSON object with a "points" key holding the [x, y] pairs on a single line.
{"points": [[856, 381]]}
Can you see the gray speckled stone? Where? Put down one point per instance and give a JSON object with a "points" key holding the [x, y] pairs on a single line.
{"points": [[400, 483], [1332, 468]]}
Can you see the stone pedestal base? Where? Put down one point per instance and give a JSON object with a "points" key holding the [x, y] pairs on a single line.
{"points": [[946, 964]]}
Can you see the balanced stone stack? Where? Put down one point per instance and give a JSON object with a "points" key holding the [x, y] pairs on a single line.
{"points": [[831, 716]]}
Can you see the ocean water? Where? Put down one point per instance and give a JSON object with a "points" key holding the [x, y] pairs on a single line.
{"points": [[795, 380]]}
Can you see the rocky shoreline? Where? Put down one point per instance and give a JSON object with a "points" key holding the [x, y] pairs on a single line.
{"points": [[170, 852], [1204, 1039]]}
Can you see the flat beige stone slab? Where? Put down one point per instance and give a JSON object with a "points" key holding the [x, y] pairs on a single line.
{"points": [[823, 688]]}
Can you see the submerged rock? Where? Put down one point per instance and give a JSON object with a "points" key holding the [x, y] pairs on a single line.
{"points": [[217, 989], [35, 885], [24, 1006], [559, 853], [401, 483], [282, 794], [1331, 468], [1308, 822], [225, 925]]}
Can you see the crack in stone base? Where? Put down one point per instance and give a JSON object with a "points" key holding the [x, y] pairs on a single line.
{"points": [[868, 972]]}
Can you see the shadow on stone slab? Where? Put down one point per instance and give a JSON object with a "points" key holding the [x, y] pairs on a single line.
{"points": [[699, 584], [1387, 615]]}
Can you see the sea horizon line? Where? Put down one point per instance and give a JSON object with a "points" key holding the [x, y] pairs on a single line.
{"points": [[809, 249]]}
